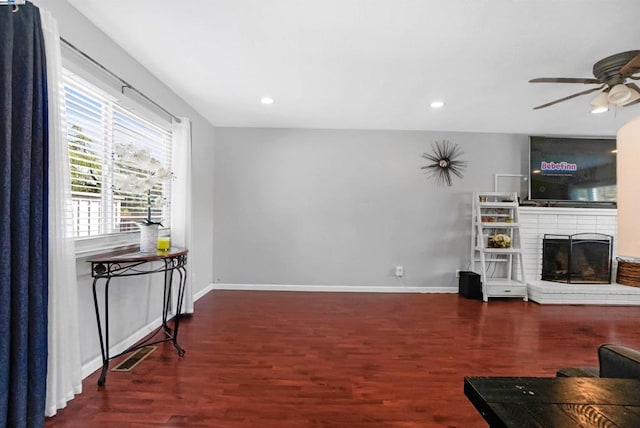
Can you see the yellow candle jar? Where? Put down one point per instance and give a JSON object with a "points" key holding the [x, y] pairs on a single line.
{"points": [[164, 242]]}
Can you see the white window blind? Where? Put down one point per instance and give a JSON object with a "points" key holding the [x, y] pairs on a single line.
{"points": [[111, 192]]}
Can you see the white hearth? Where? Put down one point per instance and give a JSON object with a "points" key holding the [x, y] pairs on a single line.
{"points": [[545, 292]]}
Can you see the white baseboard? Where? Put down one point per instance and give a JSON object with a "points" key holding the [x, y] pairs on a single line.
{"points": [[331, 288], [202, 292]]}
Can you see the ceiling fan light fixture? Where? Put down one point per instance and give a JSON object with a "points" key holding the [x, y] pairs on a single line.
{"points": [[619, 94], [600, 104]]}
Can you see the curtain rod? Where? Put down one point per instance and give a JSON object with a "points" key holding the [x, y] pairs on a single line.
{"points": [[124, 83], [14, 3]]}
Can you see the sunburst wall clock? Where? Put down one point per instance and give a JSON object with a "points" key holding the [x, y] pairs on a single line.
{"points": [[444, 161]]}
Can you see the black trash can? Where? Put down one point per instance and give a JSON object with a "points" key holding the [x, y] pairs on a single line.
{"points": [[469, 285]]}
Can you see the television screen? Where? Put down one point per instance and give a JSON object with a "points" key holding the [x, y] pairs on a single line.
{"points": [[572, 169]]}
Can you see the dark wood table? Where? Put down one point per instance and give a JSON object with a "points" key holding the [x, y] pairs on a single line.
{"points": [[133, 263], [555, 401]]}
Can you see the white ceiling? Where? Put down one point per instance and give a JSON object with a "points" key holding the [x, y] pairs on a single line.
{"points": [[378, 64]]}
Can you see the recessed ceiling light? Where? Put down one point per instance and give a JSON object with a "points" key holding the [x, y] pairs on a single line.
{"points": [[437, 104], [267, 100]]}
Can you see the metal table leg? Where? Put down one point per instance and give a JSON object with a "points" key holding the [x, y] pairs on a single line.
{"points": [[104, 339]]}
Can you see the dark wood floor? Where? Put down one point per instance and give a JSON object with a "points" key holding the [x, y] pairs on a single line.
{"points": [[278, 359]]}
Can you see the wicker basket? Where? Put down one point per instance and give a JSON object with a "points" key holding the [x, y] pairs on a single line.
{"points": [[628, 273]]}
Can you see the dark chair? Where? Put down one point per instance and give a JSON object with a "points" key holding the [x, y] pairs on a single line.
{"points": [[616, 361]]}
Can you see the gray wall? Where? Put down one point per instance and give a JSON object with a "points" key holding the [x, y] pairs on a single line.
{"points": [[137, 302], [331, 207], [300, 206]]}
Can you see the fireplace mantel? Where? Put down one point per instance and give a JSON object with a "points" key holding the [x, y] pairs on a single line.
{"points": [[536, 221], [611, 212]]}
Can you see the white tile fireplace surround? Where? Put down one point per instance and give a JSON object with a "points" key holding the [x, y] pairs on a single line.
{"points": [[536, 222]]}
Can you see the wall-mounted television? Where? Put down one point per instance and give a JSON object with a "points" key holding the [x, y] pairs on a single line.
{"points": [[572, 169]]}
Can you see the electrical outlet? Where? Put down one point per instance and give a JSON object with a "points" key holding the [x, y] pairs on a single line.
{"points": [[399, 271], [457, 273]]}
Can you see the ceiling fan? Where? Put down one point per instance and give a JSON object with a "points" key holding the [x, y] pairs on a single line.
{"points": [[612, 74]]}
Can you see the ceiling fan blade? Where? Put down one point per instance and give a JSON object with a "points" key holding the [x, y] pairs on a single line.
{"points": [[634, 86], [588, 91], [564, 80], [634, 63]]}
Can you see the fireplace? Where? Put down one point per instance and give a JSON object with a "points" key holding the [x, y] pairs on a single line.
{"points": [[583, 258]]}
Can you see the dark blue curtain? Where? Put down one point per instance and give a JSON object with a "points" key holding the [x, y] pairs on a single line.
{"points": [[23, 218]]}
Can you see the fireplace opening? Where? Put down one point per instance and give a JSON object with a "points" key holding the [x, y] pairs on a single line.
{"points": [[583, 258]]}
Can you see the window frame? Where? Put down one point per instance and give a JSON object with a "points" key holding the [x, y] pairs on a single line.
{"points": [[110, 239]]}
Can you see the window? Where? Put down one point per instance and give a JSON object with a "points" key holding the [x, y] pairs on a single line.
{"points": [[106, 189]]}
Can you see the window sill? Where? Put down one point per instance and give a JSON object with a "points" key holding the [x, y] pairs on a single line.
{"points": [[91, 246]]}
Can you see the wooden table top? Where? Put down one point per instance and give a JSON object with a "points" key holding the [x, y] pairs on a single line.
{"points": [[555, 402], [123, 256]]}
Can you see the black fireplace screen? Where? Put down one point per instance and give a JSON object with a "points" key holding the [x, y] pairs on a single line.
{"points": [[583, 258]]}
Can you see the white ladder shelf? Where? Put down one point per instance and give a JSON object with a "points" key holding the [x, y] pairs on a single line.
{"points": [[495, 245]]}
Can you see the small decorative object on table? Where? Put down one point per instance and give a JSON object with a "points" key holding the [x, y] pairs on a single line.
{"points": [[148, 237], [164, 243], [500, 240], [141, 174]]}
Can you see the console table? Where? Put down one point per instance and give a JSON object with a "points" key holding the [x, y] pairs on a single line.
{"points": [[127, 263], [555, 401]]}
